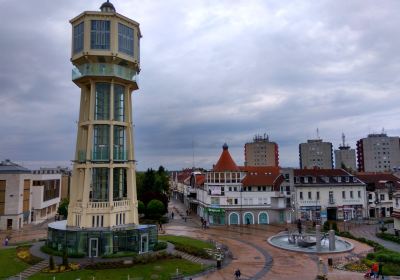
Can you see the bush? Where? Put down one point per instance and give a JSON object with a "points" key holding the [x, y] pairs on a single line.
{"points": [[141, 207], [51, 263], [192, 251], [383, 229], [155, 209], [24, 255], [326, 226], [63, 208], [160, 246], [335, 227], [388, 236], [119, 255]]}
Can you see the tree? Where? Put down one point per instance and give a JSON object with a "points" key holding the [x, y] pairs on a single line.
{"points": [[155, 209], [141, 207], [63, 208], [51, 263]]}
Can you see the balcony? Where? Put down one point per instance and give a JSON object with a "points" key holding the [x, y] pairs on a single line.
{"points": [[104, 69], [101, 153]]}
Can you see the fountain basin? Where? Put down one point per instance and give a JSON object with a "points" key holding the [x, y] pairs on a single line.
{"points": [[281, 241]]}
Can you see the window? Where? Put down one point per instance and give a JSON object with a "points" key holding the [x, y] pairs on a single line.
{"points": [[119, 143], [344, 194], [351, 194], [120, 190], [102, 102], [359, 194], [100, 35], [2, 196], [317, 195], [119, 105], [305, 179], [214, 200], [78, 37], [264, 189], [331, 199], [382, 197], [339, 179], [236, 201], [259, 189], [309, 195], [125, 39], [100, 184], [301, 195], [101, 142]]}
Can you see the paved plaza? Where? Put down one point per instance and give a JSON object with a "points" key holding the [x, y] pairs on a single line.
{"points": [[248, 245]]}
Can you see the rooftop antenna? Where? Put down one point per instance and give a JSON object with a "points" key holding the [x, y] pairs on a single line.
{"points": [[318, 133], [383, 130], [343, 139]]}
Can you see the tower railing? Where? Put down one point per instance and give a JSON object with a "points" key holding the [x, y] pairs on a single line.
{"points": [[103, 69]]}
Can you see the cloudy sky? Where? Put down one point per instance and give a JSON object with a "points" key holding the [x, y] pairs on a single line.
{"points": [[212, 72]]}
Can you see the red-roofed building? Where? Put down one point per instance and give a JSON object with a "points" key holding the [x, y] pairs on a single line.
{"points": [[332, 194], [233, 195], [380, 188]]}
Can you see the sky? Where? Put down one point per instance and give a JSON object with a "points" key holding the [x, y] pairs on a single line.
{"points": [[212, 72]]}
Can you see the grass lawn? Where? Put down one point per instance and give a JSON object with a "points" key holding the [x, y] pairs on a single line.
{"points": [[9, 263], [186, 241], [162, 268]]}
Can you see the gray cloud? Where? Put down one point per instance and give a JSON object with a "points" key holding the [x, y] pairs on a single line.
{"points": [[212, 72]]}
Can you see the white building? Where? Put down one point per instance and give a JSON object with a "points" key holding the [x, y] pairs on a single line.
{"points": [[15, 195], [380, 189], [378, 153], [396, 211], [332, 194], [316, 153], [46, 196], [233, 195]]}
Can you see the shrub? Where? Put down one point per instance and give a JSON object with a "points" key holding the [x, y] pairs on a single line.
{"points": [[326, 226], [388, 236], [119, 255], [65, 259], [50, 251], [335, 227], [383, 229], [155, 209], [63, 208], [51, 263], [160, 246], [141, 207]]}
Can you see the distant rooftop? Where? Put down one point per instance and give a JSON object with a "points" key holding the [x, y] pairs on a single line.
{"points": [[9, 167]]}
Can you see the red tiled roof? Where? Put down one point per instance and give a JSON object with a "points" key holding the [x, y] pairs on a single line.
{"points": [[262, 176], [396, 214], [225, 162], [378, 179], [200, 179], [320, 172]]}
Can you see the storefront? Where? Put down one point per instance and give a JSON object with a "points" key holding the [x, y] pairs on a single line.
{"points": [[350, 212], [310, 213], [216, 216]]}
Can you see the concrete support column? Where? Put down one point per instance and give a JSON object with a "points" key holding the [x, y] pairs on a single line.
{"points": [[332, 240]]}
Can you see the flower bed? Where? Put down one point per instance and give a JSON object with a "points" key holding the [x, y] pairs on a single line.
{"points": [[25, 255]]}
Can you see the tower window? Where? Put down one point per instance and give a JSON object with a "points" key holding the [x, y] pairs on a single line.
{"points": [[102, 102], [119, 184], [100, 34], [119, 98], [78, 37], [125, 39], [100, 184], [119, 143], [101, 142]]}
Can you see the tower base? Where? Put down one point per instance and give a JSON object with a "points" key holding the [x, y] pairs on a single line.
{"points": [[96, 242]]}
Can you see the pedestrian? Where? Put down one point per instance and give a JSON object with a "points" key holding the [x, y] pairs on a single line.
{"points": [[299, 225], [187, 212], [380, 270], [6, 241], [160, 225], [237, 274], [185, 218], [172, 215], [201, 220], [374, 269]]}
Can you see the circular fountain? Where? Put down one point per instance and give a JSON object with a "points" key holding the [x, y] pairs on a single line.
{"points": [[311, 243]]}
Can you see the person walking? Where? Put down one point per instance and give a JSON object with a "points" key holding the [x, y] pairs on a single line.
{"points": [[237, 274], [172, 215], [380, 270], [374, 270], [299, 225]]}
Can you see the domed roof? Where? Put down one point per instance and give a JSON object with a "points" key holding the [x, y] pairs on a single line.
{"points": [[107, 7], [225, 162]]}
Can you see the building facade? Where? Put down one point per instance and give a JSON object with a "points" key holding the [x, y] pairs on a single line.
{"points": [[233, 195], [261, 152], [396, 212], [15, 196], [329, 194], [345, 157], [316, 153], [380, 189], [378, 153], [46, 195]]}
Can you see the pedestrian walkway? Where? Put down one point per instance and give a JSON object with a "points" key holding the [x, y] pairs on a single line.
{"points": [[369, 232], [30, 271]]}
